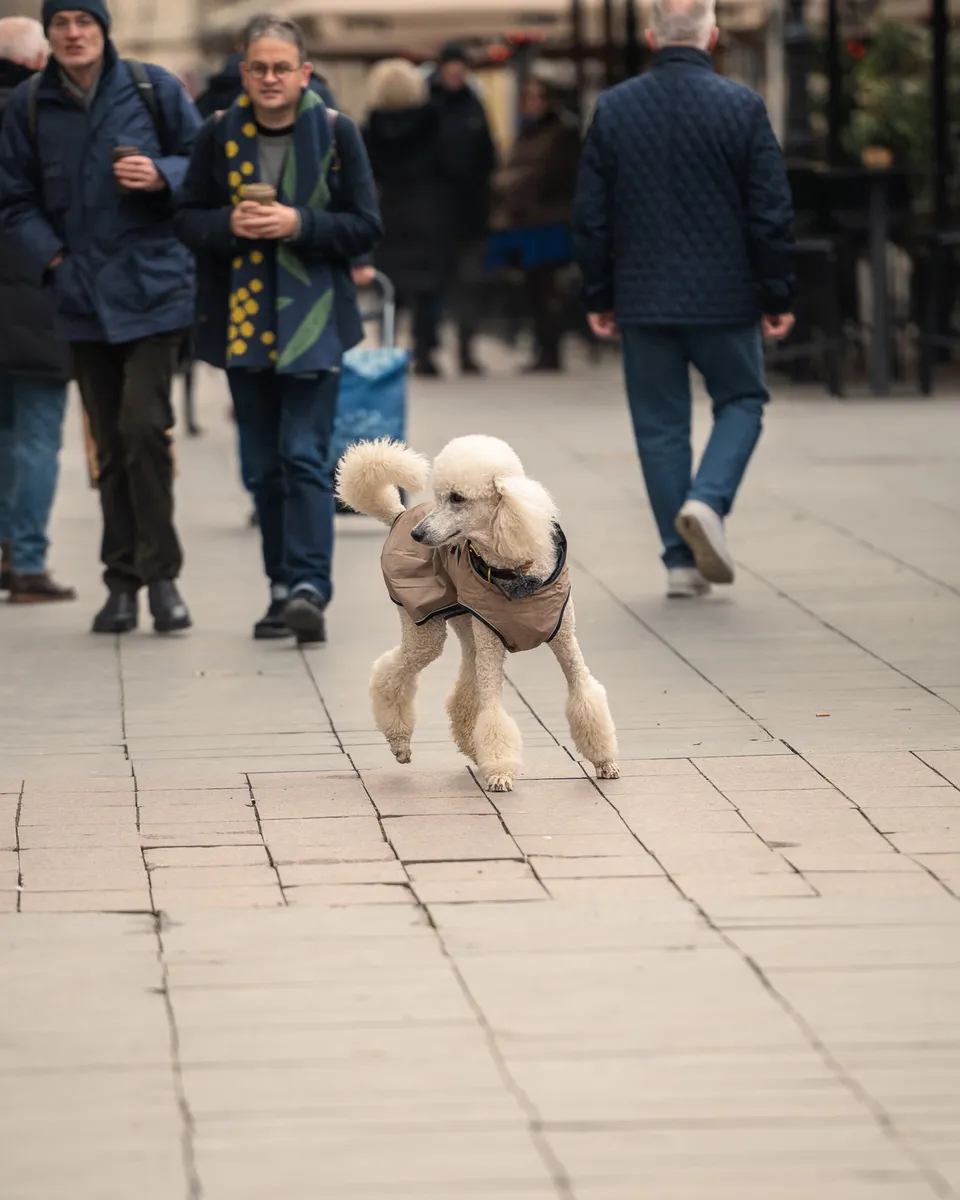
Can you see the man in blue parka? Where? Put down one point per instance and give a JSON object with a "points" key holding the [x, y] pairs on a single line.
{"points": [[91, 157]]}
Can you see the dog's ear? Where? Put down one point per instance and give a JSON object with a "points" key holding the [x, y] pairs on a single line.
{"points": [[523, 520]]}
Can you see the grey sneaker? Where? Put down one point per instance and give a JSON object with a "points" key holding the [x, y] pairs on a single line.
{"points": [[686, 582], [702, 529]]}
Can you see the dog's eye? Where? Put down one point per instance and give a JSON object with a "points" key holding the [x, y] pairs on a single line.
{"points": [[456, 498]]}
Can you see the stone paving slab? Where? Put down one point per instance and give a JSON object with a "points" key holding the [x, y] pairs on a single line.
{"points": [[243, 953]]}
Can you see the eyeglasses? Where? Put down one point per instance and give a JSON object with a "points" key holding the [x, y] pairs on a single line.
{"points": [[80, 20], [261, 70]]}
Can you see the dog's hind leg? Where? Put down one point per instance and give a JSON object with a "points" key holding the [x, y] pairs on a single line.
{"points": [[393, 686], [496, 736], [462, 704], [588, 713]]}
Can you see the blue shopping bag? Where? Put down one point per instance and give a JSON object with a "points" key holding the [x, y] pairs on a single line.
{"points": [[373, 384], [373, 398]]}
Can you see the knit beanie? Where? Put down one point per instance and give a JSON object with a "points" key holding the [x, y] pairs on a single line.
{"points": [[453, 52], [96, 8]]}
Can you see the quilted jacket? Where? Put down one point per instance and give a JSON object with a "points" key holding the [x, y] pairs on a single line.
{"points": [[683, 212]]}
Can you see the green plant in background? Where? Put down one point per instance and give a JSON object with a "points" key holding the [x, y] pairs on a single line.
{"points": [[891, 92]]}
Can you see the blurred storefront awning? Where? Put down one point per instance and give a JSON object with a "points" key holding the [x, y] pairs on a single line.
{"points": [[396, 24]]}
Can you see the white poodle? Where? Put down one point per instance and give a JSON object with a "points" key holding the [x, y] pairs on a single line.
{"points": [[489, 556]]}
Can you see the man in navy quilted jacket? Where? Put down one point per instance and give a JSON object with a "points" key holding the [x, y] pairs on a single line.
{"points": [[683, 227]]}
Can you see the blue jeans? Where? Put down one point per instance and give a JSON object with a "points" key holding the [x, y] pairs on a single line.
{"points": [[285, 424], [31, 432], [657, 364]]}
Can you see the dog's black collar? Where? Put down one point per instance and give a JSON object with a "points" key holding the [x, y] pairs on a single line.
{"points": [[512, 575]]}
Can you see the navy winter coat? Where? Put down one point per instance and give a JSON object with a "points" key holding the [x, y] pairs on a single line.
{"points": [[28, 344], [683, 212], [345, 231], [124, 274]]}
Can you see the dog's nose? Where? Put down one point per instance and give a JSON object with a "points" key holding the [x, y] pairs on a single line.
{"points": [[418, 534]]}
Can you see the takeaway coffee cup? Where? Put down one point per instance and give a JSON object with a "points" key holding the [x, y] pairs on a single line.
{"points": [[260, 193], [121, 152]]}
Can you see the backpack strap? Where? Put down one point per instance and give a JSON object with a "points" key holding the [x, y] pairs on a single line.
{"points": [[145, 87], [141, 77]]}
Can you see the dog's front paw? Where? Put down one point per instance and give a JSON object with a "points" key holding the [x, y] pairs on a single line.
{"points": [[608, 770], [401, 751], [499, 783]]}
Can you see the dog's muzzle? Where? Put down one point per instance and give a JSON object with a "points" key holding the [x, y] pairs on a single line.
{"points": [[426, 536]]}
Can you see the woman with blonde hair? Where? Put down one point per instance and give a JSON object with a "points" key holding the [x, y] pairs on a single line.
{"points": [[403, 138]]}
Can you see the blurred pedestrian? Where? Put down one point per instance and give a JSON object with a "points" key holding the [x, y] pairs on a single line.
{"points": [[34, 368], [404, 141], [276, 305], [89, 163], [225, 85], [532, 199], [470, 160], [684, 231]]}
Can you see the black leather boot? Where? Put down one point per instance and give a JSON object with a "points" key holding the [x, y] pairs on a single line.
{"points": [[169, 612], [304, 615], [118, 615], [41, 588], [272, 624]]}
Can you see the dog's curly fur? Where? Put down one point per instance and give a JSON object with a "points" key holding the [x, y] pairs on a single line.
{"points": [[481, 493]]}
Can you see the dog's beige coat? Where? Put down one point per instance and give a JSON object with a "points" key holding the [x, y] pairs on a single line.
{"points": [[452, 581]]}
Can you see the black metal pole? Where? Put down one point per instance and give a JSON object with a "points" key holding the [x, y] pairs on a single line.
{"points": [[576, 37], [879, 219], [609, 44], [631, 40], [798, 44], [835, 84], [940, 32]]}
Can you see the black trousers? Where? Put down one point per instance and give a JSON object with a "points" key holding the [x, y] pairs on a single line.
{"points": [[546, 308], [126, 393], [425, 309]]}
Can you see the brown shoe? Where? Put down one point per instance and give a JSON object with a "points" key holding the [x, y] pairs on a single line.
{"points": [[6, 571], [38, 589]]}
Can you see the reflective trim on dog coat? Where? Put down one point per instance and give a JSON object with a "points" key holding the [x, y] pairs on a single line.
{"points": [[452, 581]]}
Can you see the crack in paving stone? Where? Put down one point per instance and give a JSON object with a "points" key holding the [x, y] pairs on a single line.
{"points": [[266, 848], [16, 836], [188, 1124], [536, 1126]]}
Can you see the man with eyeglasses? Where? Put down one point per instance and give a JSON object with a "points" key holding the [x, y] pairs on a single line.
{"points": [[90, 159], [278, 200], [225, 85]]}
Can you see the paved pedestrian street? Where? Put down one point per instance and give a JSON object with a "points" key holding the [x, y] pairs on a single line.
{"points": [[244, 955]]}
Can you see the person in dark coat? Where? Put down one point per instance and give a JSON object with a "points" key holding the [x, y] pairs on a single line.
{"points": [[404, 141], [684, 232], [101, 231], [532, 198], [276, 305], [34, 370], [471, 159]]}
